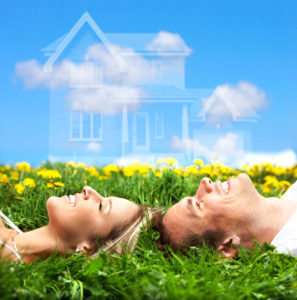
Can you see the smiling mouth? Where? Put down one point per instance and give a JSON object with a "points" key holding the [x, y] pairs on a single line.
{"points": [[226, 186]]}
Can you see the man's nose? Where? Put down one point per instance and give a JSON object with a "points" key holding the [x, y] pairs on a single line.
{"points": [[205, 185]]}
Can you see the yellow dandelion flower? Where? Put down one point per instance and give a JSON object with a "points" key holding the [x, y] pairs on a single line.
{"points": [[58, 183], [143, 170], [19, 188], [102, 177], [284, 184], [23, 166], [192, 169], [3, 178], [14, 175], [266, 188], [30, 182], [110, 168], [271, 180], [50, 185], [245, 167], [92, 171], [179, 171], [206, 171], [158, 173], [81, 165], [71, 163], [159, 161], [49, 174], [129, 171], [198, 162], [170, 161]]}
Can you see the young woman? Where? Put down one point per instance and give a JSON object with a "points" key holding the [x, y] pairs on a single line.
{"points": [[77, 223]]}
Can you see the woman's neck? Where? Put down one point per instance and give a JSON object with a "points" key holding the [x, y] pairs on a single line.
{"points": [[38, 243]]}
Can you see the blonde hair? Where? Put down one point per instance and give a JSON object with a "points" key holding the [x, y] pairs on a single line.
{"points": [[126, 241]]}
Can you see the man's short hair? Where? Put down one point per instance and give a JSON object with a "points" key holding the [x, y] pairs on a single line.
{"points": [[210, 238]]}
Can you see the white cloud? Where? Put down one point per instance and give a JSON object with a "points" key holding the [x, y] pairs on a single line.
{"points": [[225, 148], [121, 65], [106, 78], [94, 147], [63, 74], [178, 144], [283, 158], [240, 101], [227, 151], [227, 145], [168, 42], [106, 99]]}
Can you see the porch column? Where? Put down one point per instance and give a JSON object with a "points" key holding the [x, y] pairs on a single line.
{"points": [[124, 129], [185, 132], [185, 123]]}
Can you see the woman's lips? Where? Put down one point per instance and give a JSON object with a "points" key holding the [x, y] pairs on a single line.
{"points": [[72, 200]]}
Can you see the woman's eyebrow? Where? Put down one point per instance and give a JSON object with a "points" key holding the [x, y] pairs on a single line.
{"points": [[110, 202]]}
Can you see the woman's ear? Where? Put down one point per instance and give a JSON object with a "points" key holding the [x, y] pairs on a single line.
{"points": [[229, 246]]}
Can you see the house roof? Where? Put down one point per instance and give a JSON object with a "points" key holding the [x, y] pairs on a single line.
{"points": [[171, 94], [60, 44], [236, 111], [137, 41]]}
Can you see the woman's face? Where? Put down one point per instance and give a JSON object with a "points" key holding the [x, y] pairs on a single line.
{"points": [[88, 217]]}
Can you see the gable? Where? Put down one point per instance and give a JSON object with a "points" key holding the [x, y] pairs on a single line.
{"points": [[87, 35]]}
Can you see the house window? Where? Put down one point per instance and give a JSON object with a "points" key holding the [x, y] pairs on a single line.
{"points": [[75, 125], [154, 71], [159, 125], [140, 130], [86, 127], [97, 126]]}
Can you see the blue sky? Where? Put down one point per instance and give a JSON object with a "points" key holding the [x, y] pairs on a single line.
{"points": [[232, 41]]}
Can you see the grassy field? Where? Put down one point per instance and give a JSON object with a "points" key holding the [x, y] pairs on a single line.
{"points": [[146, 273]]}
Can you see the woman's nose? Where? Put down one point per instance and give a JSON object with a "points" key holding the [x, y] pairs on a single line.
{"points": [[86, 192]]}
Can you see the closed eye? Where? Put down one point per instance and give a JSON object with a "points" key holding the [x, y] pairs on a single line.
{"points": [[100, 205], [193, 202]]}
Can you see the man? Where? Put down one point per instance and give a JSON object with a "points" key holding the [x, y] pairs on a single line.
{"points": [[226, 215]]}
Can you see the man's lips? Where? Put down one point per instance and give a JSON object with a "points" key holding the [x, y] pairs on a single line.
{"points": [[226, 186]]}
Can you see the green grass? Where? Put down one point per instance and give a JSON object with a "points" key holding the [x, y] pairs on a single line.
{"points": [[145, 274]]}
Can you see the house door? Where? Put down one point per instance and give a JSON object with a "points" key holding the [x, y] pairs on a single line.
{"points": [[141, 132]]}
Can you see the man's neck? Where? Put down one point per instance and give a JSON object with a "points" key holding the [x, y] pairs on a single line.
{"points": [[266, 220], [38, 243]]}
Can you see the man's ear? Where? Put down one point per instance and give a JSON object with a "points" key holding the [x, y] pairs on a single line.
{"points": [[84, 247], [229, 246]]}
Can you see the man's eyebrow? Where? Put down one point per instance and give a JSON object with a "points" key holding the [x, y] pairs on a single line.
{"points": [[189, 204]]}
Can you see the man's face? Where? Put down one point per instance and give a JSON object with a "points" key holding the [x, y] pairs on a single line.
{"points": [[216, 206]]}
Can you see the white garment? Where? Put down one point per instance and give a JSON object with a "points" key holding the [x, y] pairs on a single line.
{"points": [[13, 226], [286, 240]]}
